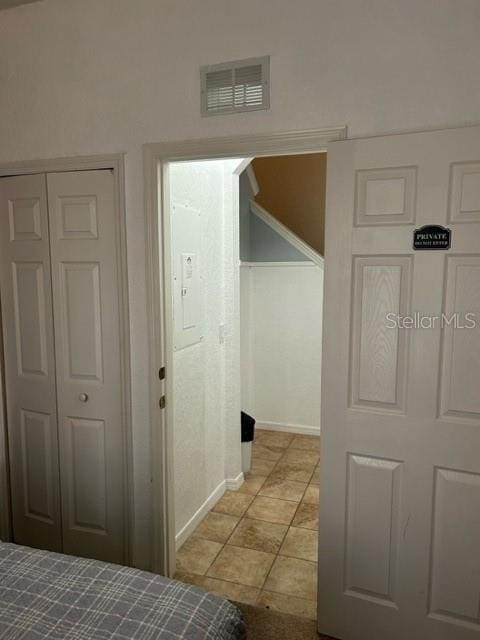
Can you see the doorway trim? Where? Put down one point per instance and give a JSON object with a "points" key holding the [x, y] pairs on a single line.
{"points": [[156, 156], [116, 163]]}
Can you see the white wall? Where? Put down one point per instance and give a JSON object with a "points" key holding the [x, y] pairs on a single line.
{"points": [[100, 76], [206, 374], [281, 345]]}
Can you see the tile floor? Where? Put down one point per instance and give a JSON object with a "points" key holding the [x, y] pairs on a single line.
{"points": [[258, 545]]}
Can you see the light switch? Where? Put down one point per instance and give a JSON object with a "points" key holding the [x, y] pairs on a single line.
{"points": [[188, 290]]}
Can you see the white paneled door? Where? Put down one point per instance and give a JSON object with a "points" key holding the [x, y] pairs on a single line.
{"points": [[26, 299], [61, 317], [87, 342], [400, 486]]}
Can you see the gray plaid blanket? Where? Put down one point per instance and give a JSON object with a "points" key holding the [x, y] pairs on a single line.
{"points": [[49, 595]]}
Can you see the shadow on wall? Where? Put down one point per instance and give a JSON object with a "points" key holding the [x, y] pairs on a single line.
{"points": [[293, 188]]}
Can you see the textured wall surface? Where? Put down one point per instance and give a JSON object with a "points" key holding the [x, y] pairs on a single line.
{"points": [[101, 76], [206, 374], [281, 343]]}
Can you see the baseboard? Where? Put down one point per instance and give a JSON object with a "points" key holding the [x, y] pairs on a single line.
{"points": [[198, 516], [301, 429], [233, 484]]}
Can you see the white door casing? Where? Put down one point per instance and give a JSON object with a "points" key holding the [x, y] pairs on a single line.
{"points": [[29, 361], [87, 337], [400, 473], [156, 159]]}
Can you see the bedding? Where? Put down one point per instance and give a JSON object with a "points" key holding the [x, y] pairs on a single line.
{"points": [[54, 596]]}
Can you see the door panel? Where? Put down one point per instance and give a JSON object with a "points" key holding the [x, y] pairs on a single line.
{"points": [[385, 196], [28, 282], [400, 499], [381, 286], [82, 320], [85, 441], [465, 192], [460, 395], [455, 560], [29, 361], [87, 334], [24, 216], [37, 436], [372, 526], [77, 217]]}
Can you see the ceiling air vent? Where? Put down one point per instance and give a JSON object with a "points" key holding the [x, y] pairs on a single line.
{"points": [[231, 87]]}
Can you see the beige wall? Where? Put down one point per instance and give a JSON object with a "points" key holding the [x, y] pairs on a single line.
{"points": [[292, 188]]}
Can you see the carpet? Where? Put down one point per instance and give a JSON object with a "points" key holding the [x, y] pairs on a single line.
{"points": [[267, 624]]}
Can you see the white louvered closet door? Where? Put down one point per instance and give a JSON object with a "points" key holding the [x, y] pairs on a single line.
{"points": [[26, 299], [61, 321]]}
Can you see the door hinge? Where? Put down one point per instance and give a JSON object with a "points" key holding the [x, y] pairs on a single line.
{"points": [[162, 402], [161, 373]]}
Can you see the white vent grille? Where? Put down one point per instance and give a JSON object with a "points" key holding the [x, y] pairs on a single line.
{"points": [[235, 86]]}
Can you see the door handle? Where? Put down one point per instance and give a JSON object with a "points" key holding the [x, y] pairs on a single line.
{"points": [[83, 397]]}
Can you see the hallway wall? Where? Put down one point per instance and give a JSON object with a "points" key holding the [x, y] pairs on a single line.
{"points": [[206, 374], [281, 345]]}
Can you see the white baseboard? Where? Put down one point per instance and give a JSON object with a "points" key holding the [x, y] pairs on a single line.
{"points": [[301, 429], [233, 484], [198, 516]]}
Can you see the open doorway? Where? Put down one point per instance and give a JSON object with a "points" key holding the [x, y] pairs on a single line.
{"points": [[246, 277], [383, 559]]}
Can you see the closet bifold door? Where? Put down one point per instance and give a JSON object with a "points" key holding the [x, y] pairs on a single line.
{"points": [[88, 363], [27, 324]]}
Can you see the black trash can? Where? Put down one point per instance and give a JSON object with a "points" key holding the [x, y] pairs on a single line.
{"points": [[248, 435]]}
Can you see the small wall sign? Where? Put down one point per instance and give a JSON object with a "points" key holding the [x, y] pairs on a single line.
{"points": [[432, 236]]}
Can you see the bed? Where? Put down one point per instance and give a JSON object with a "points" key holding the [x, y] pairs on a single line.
{"points": [[54, 596]]}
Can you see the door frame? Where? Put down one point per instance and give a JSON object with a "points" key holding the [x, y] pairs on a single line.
{"points": [[116, 163], [156, 156]]}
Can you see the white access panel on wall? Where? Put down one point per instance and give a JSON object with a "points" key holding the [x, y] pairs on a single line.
{"points": [[187, 280]]}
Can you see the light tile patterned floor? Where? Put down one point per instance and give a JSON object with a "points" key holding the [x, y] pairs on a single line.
{"points": [[259, 544]]}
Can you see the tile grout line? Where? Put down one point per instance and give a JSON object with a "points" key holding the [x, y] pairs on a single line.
{"points": [[261, 589]]}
